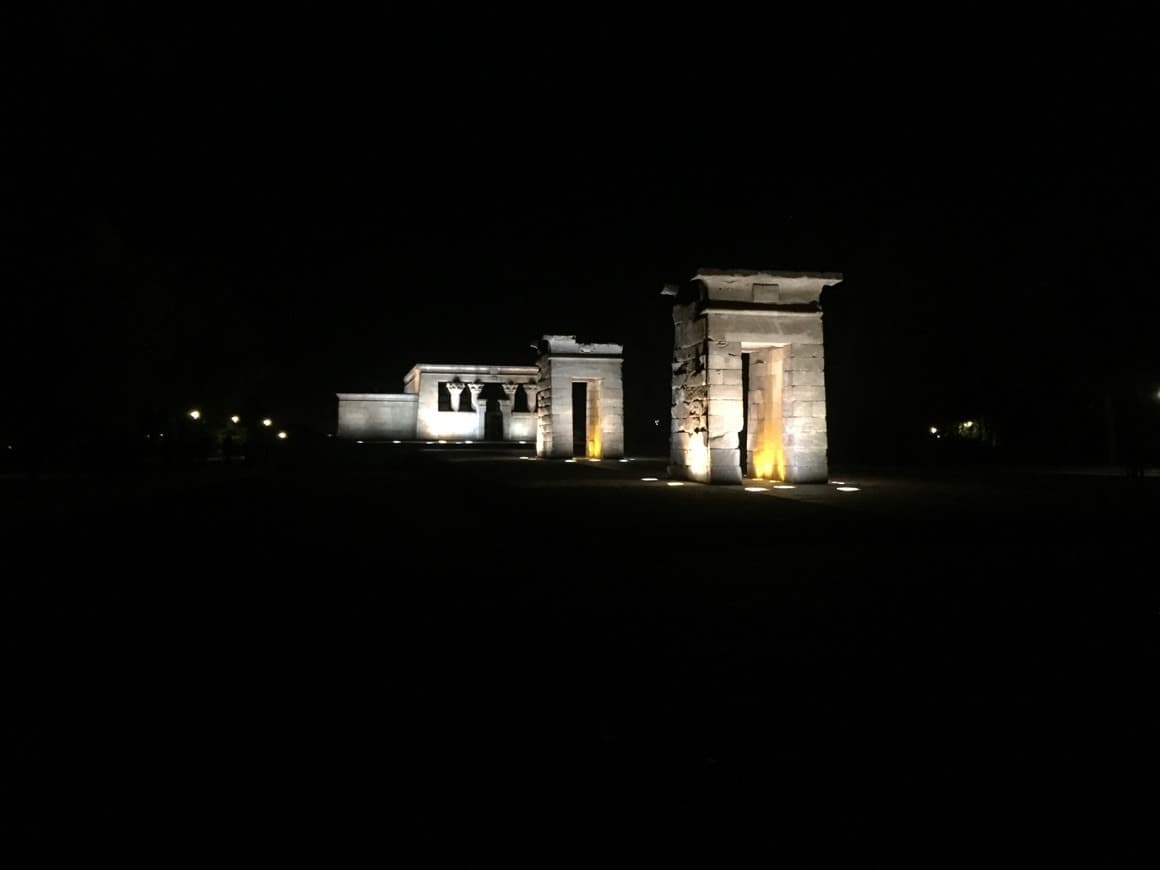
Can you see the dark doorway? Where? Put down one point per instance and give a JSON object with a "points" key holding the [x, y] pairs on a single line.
{"points": [[579, 418], [743, 435], [492, 420]]}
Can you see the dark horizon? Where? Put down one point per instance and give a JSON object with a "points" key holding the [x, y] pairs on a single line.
{"points": [[262, 214]]}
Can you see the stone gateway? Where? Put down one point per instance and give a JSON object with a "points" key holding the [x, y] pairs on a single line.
{"points": [[749, 389]]}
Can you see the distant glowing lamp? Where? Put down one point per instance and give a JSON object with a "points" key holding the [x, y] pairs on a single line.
{"points": [[442, 441], [848, 489], [648, 479], [838, 482], [235, 419], [267, 422], [195, 414], [468, 442], [755, 489], [933, 430], [676, 483], [622, 460], [282, 436], [594, 459], [569, 460], [396, 442], [784, 486], [969, 424]]}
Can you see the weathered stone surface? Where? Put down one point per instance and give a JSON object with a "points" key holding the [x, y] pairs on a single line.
{"points": [[695, 378], [807, 379], [767, 328], [727, 441], [721, 392], [723, 376], [806, 440], [730, 290], [691, 332], [719, 424], [809, 409], [807, 466], [682, 313], [725, 465], [804, 363], [724, 359], [803, 423], [767, 294], [803, 394], [725, 404]]}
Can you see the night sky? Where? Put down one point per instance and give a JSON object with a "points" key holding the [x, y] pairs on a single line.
{"points": [[256, 210]]}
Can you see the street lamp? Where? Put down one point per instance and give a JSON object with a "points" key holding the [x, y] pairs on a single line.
{"points": [[282, 436], [195, 414], [235, 419], [267, 422]]}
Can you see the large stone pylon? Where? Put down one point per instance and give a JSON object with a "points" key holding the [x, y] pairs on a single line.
{"points": [[749, 389]]}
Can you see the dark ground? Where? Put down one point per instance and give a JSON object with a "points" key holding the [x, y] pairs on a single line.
{"points": [[390, 651]]}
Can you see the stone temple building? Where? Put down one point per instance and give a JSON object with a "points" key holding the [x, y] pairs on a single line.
{"points": [[571, 403], [749, 388]]}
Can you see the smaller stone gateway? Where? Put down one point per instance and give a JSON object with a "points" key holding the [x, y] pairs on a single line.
{"points": [[749, 389], [571, 403], [581, 391]]}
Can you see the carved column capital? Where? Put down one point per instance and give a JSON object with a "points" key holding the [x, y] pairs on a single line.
{"points": [[455, 388], [476, 395], [509, 390]]}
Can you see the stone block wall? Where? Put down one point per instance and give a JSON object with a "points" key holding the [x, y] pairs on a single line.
{"points": [[804, 414], [377, 416]]}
